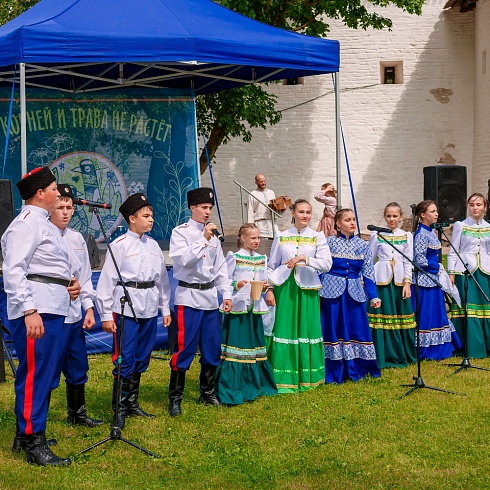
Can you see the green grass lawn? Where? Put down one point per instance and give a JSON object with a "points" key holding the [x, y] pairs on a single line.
{"points": [[352, 436]]}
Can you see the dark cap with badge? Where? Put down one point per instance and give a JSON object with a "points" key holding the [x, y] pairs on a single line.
{"points": [[201, 195], [132, 204], [31, 182], [65, 191]]}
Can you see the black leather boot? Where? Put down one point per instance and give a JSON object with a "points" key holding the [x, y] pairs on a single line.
{"points": [[38, 452], [19, 443], [119, 419], [75, 401], [206, 381], [133, 405], [176, 392]]}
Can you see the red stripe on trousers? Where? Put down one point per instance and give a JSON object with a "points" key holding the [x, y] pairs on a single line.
{"points": [[180, 336], [29, 386]]}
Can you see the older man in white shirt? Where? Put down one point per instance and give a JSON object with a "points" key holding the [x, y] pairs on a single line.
{"points": [[257, 212]]}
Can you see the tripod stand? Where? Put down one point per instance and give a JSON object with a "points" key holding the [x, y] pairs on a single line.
{"points": [[465, 363], [115, 433], [6, 351], [419, 382]]}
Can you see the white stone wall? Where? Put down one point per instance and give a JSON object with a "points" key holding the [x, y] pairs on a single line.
{"points": [[481, 172], [391, 131]]}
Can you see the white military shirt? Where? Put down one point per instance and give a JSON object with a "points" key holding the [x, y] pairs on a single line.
{"points": [[33, 245], [139, 260], [80, 268], [198, 261]]}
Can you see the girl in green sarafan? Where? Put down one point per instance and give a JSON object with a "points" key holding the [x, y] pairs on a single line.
{"points": [[244, 372], [471, 238], [295, 346], [393, 325]]}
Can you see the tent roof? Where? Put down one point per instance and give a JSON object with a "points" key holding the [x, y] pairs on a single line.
{"points": [[83, 45]]}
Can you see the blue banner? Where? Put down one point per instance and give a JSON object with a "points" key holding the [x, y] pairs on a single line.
{"points": [[108, 146]]}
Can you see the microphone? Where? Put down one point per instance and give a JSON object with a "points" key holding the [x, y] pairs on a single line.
{"points": [[84, 202], [439, 226], [218, 235], [379, 229]]}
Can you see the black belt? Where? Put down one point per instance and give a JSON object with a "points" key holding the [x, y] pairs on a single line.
{"points": [[138, 284], [195, 285], [48, 280]]}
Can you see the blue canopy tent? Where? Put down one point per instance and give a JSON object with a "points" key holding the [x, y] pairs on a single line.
{"points": [[81, 46]]}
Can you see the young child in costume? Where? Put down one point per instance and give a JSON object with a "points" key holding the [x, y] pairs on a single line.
{"points": [[201, 271], [438, 337], [349, 349], [295, 347], [244, 372], [392, 325], [144, 273], [471, 238]]}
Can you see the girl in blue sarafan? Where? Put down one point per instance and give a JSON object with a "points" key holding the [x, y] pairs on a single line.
{"points": [[348, 345], [438, 337]]}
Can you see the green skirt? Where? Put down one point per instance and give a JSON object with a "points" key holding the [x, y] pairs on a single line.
{"points": [[393, 328], [296, 346], [244, 372], [478, 341]]}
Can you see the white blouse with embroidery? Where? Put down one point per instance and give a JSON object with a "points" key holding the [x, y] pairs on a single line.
{"points": [[472, 240], [291, 243], [243, 265], [391, 264]]}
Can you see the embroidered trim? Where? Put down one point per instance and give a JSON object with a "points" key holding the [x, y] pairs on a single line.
{"points": [[354, 349], [296, 342], [394, 239], [475, 232], [300, 240], [247, 356]]}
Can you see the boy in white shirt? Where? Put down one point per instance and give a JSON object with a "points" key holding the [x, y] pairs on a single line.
{"points": [[144, 273]]}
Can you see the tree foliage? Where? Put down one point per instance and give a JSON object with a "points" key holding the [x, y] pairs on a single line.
{"points": [[224, 115], [231, 113], [9, 9]]}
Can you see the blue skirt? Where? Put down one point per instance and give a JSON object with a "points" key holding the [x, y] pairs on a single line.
{"points": [[347, 341], [438, 337]]}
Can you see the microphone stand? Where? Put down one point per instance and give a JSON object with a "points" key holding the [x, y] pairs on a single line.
{"points": [[115, 433], [465, 363], [419, 382], [5, 350]]}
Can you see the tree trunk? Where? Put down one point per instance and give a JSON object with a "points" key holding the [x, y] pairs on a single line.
{"points": [[215, 139]]}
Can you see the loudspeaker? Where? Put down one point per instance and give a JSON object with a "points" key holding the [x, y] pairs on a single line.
{"points": [[446, 185], [6, 204], [93, 250]]}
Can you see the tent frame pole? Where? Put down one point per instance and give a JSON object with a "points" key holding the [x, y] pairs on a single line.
{"points": [[337, 141], [23, 120]]}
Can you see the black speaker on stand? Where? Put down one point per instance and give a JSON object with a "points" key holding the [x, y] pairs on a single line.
{"points": [[446, 185]]}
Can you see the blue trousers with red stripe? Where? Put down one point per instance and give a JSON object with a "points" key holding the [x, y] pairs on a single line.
{"points": [[73, 361], [196, 328], [36, 372], [138, 341]]}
